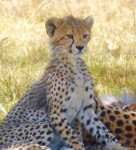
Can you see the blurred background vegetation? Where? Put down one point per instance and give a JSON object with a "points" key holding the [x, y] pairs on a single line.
{"points": [[24, 51]]}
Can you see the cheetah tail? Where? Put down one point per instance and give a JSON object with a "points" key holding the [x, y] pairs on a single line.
{"points": [[110, 100]]}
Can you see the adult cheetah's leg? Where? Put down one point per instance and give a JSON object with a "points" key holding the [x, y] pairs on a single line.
{"points": [[130, 107], [96, 128], [39, 133]]}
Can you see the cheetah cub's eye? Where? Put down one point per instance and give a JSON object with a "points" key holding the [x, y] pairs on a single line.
{"points": [[70, 36], [85, 36]]}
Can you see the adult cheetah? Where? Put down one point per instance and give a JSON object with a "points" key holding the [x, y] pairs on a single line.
{"points": [[63, 96], [119, 119]]}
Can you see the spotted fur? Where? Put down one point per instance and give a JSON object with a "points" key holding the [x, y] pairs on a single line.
{"points": [[64, 94], [26, 146], [121, 121]]}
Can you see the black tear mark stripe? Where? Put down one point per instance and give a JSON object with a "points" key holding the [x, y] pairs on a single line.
{"points": [[72, 43]]}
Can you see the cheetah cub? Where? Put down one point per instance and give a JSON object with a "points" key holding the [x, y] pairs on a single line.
{"points": [[62, 100]]}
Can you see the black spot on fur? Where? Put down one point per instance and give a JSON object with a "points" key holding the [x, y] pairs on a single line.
{"points": [[129, 135], [128, 128], [45, 126], [37, 127], [133, 115], [107, 124], [42, 132], [72, 89], [67, 132], [91, 130], [126, 116], [91, 96], [49, 132], [112, 118], [134, 122], [63, 110], [127, 142], [38, 137], [88, 122], [40, 142], [108, 111], [49, 139], [60, 124], [34, 134], [116, 112], [103, 114], [135, 141], [110, 107], [98, 127], [96, 119], [102, 107], [103, 143], [120, 123], [104, 128], [87, 88], [118, 130]]}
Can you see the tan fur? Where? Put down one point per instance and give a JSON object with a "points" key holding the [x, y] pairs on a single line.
{"points": [[123, 125], [64, 94], [130, 107], [57, 30]]}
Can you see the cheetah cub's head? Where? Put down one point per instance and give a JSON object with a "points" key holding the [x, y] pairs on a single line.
{"points": [[69, 34]]}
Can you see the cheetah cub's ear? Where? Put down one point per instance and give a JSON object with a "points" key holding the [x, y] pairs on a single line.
{"points": [[89, 21], [51, 25]]}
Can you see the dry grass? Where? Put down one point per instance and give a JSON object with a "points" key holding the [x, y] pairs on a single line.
{"points": [[24, 48]]}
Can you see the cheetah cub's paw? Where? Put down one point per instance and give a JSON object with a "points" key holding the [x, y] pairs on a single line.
{"points": [[116, 147], [65, 148]]}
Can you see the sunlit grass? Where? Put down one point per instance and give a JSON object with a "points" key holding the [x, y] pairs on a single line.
{"points": [[24, 52]]}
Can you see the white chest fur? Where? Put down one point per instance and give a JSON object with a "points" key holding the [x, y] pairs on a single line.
{"points": [[76, 97]]}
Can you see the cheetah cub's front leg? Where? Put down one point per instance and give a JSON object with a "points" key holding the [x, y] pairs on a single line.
{"points": [[96, 128], [87, 116], [57, 111]]}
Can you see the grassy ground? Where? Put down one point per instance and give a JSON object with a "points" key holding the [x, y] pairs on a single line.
{"points": [[24, 52]]}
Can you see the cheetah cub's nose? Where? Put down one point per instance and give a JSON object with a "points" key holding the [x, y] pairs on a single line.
{"points": [[80, 47]]}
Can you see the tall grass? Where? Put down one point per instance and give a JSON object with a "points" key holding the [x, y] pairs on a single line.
{"points": [[24, 51]]}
